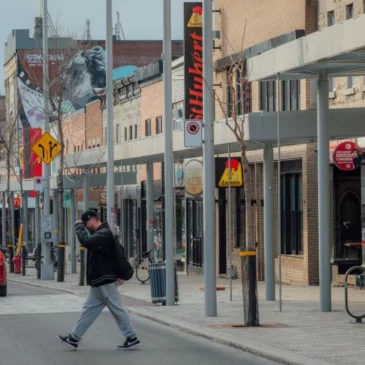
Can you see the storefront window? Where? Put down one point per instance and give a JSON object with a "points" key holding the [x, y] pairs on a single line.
{"points": [[180, 230], [291, 214]]}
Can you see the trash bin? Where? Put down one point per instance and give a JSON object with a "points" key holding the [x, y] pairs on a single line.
{"points": [[157, 272]]}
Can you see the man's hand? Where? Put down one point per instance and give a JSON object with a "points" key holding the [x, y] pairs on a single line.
{"points": [[120, 282]]}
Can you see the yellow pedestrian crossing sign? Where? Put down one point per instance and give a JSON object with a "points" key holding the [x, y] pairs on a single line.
{"points": [[233, 173], [47, 148]]}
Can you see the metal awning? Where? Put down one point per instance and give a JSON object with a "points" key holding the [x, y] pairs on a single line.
{"points": [[74, 181], [297, 127], [336, 51]]}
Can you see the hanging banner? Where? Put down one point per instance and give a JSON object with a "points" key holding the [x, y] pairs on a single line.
{"points": [[193, 60], [348, 156]]}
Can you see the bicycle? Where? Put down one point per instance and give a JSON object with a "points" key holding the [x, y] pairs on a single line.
{"points": [[54, 258], [142, 260]]}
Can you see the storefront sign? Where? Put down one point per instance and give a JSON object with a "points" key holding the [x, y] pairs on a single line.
{"points": [[67, 199], [102, 199], [226, 170], [348, 156], [193, 56], [16, 202], [194, 178], [333, 145]]}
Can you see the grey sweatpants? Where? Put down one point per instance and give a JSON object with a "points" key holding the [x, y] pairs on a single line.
{"points": [[97, 299]]}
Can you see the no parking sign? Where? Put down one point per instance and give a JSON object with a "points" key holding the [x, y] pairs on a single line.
{"points": [[193, 133]]}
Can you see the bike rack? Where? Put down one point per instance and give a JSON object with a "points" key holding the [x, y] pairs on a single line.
{"points": [[349, 271]]}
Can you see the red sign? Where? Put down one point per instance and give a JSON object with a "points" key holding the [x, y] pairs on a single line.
{"points": [[193, 61], [335, 143], [348, 156]]}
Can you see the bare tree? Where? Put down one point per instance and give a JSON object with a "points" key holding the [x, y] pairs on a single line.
{"points": [[233, 110], [9, 158]]}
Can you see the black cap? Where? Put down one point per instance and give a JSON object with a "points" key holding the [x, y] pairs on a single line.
{"points": [[87, 215]]}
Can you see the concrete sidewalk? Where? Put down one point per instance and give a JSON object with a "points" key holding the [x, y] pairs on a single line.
{"points": [[299, 335]]}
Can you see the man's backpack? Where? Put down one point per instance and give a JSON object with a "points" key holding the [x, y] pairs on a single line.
{"points": [[123, 268]]}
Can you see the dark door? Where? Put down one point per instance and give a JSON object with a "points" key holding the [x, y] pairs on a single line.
{"points": [[222, 206], [144, 225], [195, 232]]}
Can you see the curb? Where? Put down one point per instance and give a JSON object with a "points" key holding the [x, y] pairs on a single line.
{"points": [[67, 291], [268, 352]]}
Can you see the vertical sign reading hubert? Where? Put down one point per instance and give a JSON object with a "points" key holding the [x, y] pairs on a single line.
{"points": [[193, 60]]}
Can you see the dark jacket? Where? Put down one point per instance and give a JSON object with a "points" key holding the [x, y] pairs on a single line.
{"points": [[100, 254]]}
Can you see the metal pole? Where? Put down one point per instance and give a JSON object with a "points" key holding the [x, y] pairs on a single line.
{"points": [[209, 167], [86, 191], [279, 191], [12, 233], [323, 195], [73, 232], [26, 220], [36, 221], [230, 221], [3, 220], [174, 205], [269, 223], [86, 207], [47, 269], [169, 159], [122, 215], [149, 198], [59, 245], [109, 112]]}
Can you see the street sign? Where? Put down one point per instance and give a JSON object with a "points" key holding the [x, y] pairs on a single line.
{"points": [[193, 133], [38, 183], [47, 148]]}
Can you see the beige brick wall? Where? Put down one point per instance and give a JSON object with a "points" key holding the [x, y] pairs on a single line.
{"points": [[244, 23], [151, 107], [301, 269], [344, 96], [94, 124]]}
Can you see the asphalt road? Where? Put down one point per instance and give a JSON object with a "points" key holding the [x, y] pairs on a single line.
{"points": [[32, 339]]}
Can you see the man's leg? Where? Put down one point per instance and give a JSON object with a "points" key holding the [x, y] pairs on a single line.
{"points": [[91, 310], [114, 303]]}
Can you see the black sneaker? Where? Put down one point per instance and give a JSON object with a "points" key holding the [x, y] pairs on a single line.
{"points": [[69, 341], [130, 343]]}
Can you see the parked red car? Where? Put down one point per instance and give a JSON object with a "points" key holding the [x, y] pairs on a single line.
{"points": [[3, 281]]}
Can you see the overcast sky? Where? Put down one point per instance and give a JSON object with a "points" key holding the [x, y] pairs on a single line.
{"points": [[141, 19]]}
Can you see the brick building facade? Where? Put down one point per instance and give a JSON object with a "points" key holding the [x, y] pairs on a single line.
{"points": [[248, 24], [344, 92]]}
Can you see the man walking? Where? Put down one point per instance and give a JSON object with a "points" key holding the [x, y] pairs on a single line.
{"points": [[103, 282]]}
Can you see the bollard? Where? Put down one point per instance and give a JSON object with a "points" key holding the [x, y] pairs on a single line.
{"points": [[82, 266], [24, 259], [61, 262], [39, 260]]}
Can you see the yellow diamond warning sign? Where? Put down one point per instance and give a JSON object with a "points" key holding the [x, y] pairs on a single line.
{"points": [[196, 20], [233, 173], [47, 148]]}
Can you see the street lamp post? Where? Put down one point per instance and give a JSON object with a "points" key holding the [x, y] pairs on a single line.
{"points": [[109, 112]]}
